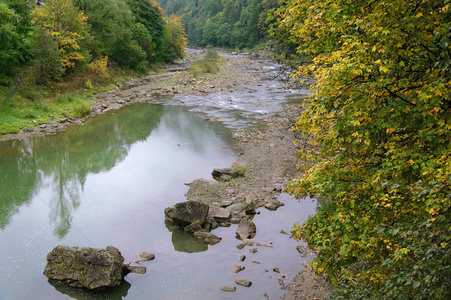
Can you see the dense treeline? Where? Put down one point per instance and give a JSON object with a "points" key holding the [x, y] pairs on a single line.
{"points": [[376, 143], [55, 53], [226, 23], [58, 38]]}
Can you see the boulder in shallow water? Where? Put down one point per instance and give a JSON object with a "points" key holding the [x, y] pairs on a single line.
{"points": [[186, 213], [246, 229], [85, 267]]}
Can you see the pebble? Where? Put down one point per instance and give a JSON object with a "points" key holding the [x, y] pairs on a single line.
{"points": [[243, 282], [237, 269], [240, 246], [242, 257], [226, 288], [253, 250]]}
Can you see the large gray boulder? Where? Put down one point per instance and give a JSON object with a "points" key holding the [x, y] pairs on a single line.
{"points": [[186, 213], [85, 267]]}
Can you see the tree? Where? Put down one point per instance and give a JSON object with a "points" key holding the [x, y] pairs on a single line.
{"points": [[177, 44], [112, 23], [15, 43], [376, 143], [68, 27]]}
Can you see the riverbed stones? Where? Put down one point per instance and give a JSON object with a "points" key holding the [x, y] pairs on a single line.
{"points": [[85, 267], [222, 215], [246, 229], [193, 227], [226, 174], [207, 237], [186, 213], [243, 282]]}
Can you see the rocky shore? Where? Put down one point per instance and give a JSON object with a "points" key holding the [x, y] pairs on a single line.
{"points": [[268, 157]]}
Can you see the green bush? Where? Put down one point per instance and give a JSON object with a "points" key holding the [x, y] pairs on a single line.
{"points": [[81, 109], [209, 64]]}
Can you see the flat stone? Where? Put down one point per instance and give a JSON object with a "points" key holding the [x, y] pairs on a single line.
{"points": [[146, 256], [228, 289], [222, 215], [137, 269], [243, 282]]}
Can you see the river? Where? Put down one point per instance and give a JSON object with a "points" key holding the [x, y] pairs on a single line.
{"points": [[108, 181]]}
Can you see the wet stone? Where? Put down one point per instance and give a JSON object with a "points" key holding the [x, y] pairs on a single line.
{"points": [[226, 288], [237, 268], [243, 282]]}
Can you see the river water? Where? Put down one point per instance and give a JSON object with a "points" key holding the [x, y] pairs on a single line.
{"points": [[107, 183]]}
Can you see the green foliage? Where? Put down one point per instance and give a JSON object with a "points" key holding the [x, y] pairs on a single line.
{"points": [[81, 109], [47, 66], [15, 43], [241, 169], [227, 23], [209, 64], [112, 23], [376, 143], [67, 26]]}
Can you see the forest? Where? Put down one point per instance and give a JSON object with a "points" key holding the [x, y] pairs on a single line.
{"points": [[53, 50], [233, 24]]}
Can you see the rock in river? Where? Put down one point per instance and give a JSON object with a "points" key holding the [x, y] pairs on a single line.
{"points": [[85, 267], [185, 213], [246, 229], [226, 174]]}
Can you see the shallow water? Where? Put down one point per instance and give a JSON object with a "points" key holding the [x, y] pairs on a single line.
{"points": [[107, 183]]}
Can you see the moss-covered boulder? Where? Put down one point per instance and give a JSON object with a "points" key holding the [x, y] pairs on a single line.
{"points": [[85, 267]]}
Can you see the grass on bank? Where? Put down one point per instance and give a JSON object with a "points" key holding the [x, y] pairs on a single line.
{"points": [[210, 64], [25, 104]]}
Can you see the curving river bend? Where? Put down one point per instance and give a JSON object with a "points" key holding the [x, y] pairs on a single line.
{"points": [[107, 183]]}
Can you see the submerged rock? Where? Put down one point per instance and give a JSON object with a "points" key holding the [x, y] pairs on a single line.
{"points": [[85, 267], [207, 237], [186, 213]]}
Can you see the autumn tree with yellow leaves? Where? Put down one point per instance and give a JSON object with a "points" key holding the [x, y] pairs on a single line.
{"points": [[67, 26], [376, 143]]}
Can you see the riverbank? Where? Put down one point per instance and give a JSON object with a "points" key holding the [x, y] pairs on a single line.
{"points": [[268, 155]]}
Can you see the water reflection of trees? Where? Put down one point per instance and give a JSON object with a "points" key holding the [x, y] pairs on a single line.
{"points": [[194, 130], [61, 163]]}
